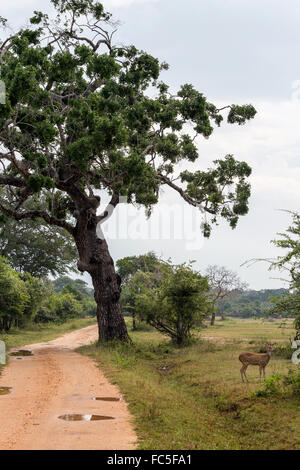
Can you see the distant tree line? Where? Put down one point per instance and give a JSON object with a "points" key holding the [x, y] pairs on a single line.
{"points": [[249, 303]]}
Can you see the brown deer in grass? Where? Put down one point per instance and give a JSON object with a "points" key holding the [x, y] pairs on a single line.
{"points": [[255, 359]]}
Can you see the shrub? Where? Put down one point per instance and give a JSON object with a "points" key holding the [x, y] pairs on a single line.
{"points": [[14, 296], [281, 385], [292, 380], [271, 387], [283, 351]]}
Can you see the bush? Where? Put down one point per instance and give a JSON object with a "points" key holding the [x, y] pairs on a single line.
{"points": [[281, 385], [59, 308], [271, 387], [293, 381], [283, 351], [14, 297]]}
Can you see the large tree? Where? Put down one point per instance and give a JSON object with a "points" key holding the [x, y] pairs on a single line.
{"points": [[78, 119]]}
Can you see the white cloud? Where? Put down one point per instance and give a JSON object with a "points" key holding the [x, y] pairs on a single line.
{"points": [[125, 3], [23, 4], [271, 146]]}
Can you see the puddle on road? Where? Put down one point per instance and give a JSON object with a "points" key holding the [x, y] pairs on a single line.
{"points": [[21, 352], [79, 417], [5, 390], [107, 398]]}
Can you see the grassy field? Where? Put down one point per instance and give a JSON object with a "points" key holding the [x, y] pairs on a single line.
{"points": [[193, 397]]}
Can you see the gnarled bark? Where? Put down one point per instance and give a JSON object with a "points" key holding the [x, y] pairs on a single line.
{"points": [[96, 260]]}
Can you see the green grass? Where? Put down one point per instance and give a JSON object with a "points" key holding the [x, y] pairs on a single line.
{"points": [[193, 397], [252, 330], [39, 333]]}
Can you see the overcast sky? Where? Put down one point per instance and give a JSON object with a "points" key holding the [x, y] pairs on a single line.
{"points": [[233, 52]]}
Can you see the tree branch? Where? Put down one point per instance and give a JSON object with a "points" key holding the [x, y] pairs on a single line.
{"points": [[11, 181], [37, 214], [110, 208], [184, 195]]}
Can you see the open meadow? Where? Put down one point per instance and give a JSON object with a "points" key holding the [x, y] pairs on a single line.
{"points": [[193, 397]]}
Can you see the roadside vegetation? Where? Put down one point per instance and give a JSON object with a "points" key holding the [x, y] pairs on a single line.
{"points": [[37, 333], [34, 309], [26, 300], [192, 397]]}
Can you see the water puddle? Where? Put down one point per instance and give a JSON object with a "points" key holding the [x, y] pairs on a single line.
{"points": [[107, 398], [5, 390], [79, 417], [21, 352]]}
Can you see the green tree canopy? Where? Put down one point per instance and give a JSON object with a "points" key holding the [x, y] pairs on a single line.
{"points": [[148, 263], [35, 247], [78, 285], [79, 290], [37, 290], [14, 297]]}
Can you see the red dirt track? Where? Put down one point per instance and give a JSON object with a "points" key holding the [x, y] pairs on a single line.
{"points": [[57, 381]]}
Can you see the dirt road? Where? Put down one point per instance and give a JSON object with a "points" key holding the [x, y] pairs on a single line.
{"points": [[56, 381]]}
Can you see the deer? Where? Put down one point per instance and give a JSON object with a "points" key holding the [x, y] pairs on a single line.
{"points": [[255, 359]]}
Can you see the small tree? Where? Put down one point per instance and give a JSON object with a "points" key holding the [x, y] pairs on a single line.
{"points": [[223, 283], [180, 303], [37, 291], [138, 273], [289, 263], [80, 291], [48, 310], [70, 307], [138, 284], [14, 296]]}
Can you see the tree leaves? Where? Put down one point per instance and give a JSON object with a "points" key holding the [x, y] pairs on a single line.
{"points": [[80, 111]]}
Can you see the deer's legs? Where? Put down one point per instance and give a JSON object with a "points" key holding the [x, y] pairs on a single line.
{"points": [[243, 372], [260, 371], [264, 370]]}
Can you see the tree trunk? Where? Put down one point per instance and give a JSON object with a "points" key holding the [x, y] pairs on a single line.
{"points": [[96, 260], [6, 324], [180, 334], [133, 322], [213, 318]]}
